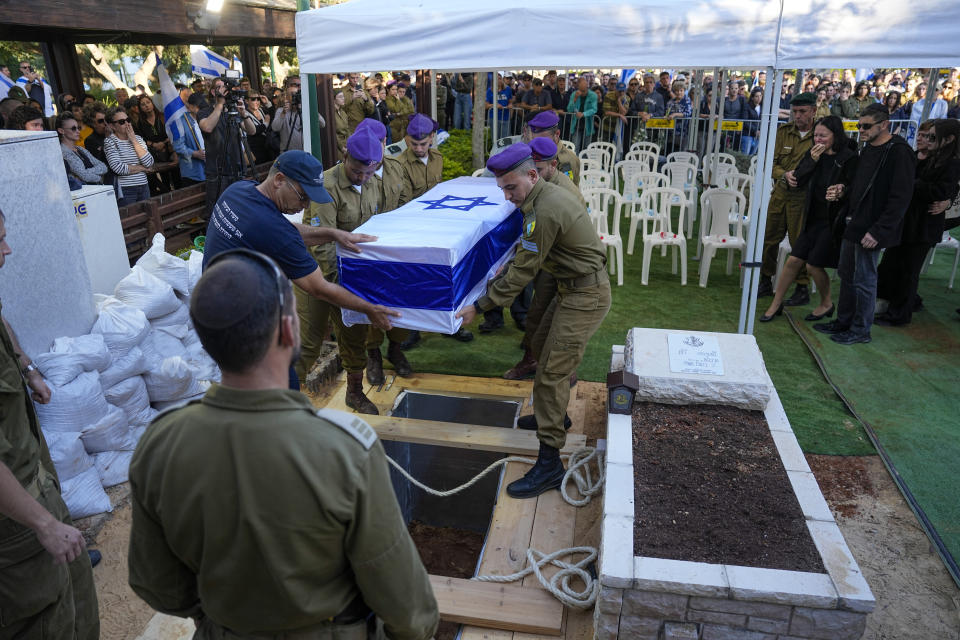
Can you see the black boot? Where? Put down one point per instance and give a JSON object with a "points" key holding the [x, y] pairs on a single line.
{"points": [[800, 297], [374, 366], [765, 288], [492, 320], [546, 474], [530, 422], [412, 340], [399, 361], [355, 398]]}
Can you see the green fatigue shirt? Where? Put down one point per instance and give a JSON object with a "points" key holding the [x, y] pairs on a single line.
{"points": [[557, 237], [255, 510], [788, 151], [357, 109], [569, 163], [847, 109], [350, 208], [421, 177], [401, 109], [342, 130], [561, 180], [611, 104], [394, 192]]}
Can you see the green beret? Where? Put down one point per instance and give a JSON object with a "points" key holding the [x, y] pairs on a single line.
{"points": [[804, 100]]}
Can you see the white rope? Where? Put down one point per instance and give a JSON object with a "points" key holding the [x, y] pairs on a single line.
{"points": [[559, 585]]}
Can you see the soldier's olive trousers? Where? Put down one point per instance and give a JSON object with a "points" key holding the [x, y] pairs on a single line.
{"points": [[375, 336], [209, 630], [544, 291], [784, 218], [315, 316], [41, 600], [568, 322]]}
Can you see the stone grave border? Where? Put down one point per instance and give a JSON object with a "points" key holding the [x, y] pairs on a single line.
{"points": [[644, 598]]}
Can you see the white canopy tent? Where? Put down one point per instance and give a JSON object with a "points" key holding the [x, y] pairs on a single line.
{"points": [[363, 35]]}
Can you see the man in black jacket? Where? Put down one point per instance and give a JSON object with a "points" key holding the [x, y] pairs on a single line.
{"points": [[876, 204]]}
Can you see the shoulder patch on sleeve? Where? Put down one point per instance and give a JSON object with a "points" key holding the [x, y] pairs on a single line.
{"points": [[354, 426]]}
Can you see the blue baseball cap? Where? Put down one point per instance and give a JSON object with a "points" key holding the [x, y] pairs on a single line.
{"points": [[305, 170], [508, 159], [363, 146], [375, 126]]}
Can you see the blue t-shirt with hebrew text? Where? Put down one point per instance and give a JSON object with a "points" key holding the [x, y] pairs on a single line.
{"points": [[244, 217]]}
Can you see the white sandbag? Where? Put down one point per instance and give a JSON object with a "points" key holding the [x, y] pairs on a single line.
{"points": [[112, 466], [163, 406], [124, 367], [206, 368], [140, 421], [110, 433], [169, 268], [191, 339], [75, 406], [69, 457], [179, 318], [84, 494], [122, 326], [172, 380], [130, 395], [147, 292], [194, 268], [71, 356], [161, 344]]}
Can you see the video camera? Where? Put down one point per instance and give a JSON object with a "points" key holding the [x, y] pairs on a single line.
{"points": [[231, 81]]}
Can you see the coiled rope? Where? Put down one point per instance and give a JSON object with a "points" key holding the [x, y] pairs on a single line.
{"points": [[578, 470]]}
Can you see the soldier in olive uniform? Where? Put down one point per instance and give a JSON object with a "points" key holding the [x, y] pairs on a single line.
{"points": [[46, 581], [357, 103], [422, 165], [254, 513], [558, 238], [547, 125], [393, 194], [355, 200], [785, 210], [544, 153]]}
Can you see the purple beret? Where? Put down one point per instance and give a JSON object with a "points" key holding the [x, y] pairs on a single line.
{"points": [[374, 126], [364, 147], [420, 126], [543, 149], [544, 121], [508, 159]]}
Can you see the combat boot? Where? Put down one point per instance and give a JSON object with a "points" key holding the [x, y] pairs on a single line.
{"points": [[526, 368], [530, 422], [355, 398], [546, 474], [374, 366], [399, 361]]}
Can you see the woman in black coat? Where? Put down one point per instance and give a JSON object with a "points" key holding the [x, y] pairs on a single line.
{"points": [[830, 163], [935, 186]]}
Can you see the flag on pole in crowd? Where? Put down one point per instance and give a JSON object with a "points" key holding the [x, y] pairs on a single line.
{"points": [[5, 85], [207, 63], [173, 107], [237, 65], [626, 74]]}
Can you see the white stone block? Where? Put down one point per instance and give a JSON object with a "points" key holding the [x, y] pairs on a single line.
{"points": [[775, 414], [680, 576], [616, 358], [781, 587], [852, 588], [744, 383], [619, 439], [618, 492], [790, 452], [808, 493], [616, 552]]}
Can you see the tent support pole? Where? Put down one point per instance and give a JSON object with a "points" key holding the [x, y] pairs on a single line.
{"points": [[759, 198], [494, 90], [697, 97], [927, 102], [433, 95], [720, 91], [311, 142]]}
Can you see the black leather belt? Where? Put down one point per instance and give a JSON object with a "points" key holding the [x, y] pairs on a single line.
{"points": [[597, 277]]}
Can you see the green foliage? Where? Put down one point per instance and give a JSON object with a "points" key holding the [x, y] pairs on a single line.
{"points": [[457, 155], [12, 52]]}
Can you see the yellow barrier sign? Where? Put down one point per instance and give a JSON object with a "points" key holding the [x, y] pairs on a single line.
{"points": [[730, 125], [850, 125], [660, 123]]}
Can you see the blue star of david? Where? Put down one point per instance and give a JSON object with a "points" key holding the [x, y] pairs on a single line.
{"points": [[479, 201]]}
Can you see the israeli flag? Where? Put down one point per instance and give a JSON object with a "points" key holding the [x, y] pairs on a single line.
{"points": [[237, 65], [5, 85], [626, 74], [173, 107], [206, 63]]}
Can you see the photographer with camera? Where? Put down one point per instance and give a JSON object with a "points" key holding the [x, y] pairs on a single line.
{"points": [[36, 87], [286, 129], [357, 103], [224, 160]]}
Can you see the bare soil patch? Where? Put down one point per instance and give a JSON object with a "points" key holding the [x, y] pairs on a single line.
{"points": [[710, 487]]}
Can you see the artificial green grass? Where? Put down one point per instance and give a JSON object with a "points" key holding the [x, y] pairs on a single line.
{"points": [[904, 384], [819, 419]]}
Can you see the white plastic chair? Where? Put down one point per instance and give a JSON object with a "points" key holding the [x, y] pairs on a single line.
{"points": [[722, 159], [683, 176], [738, 182], [605, 207], [752, 169], [592, 178], [647, 158], [597, 154], [684, 156], [649, 147], [946, 242], [783, 252], [716, 206], [478, 173], [624, 173], [569, 145], [658, 230], [633, 185], [609, 147]]}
